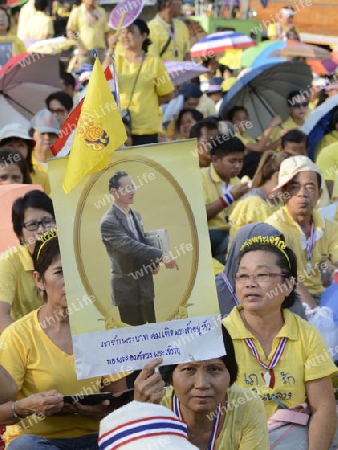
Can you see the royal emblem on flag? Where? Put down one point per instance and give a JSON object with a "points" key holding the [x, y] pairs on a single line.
{"points": [[93, 133]]}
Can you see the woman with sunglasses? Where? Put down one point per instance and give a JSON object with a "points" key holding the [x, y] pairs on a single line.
{"points": [[280, 356], [32, 215]]}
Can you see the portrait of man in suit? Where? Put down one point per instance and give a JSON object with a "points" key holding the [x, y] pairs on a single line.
{"points": [[132, 262]]}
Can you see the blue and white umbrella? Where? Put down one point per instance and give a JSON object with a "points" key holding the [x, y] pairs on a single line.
{"points": [[317, 125], [263, 92], [219, 42]]}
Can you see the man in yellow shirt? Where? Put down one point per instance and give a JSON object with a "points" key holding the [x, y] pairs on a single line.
{"points": [[284, 28], [330, 138], [327, 161], [88, 25], [298, 107], [222, 187], [314, 239], [169, 36], [40, 24]]}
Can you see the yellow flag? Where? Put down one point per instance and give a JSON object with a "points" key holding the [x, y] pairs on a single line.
{"points": [[99, 132]]}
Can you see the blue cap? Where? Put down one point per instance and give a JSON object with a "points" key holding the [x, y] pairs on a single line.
{"points": [[190, 90]]}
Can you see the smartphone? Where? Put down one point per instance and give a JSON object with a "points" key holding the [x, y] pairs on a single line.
{"points": [[88, 399]]}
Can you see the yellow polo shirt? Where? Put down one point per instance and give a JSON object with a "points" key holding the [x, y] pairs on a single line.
{"points": [[288, 125], [305, 358], [326, 245], [212, 188], [18, 46], [153, 81], [327, 161], [244, 426], [38, 365], [249, 210], [26, 12], [275, 29], [92, 35], [328, 139], [17, 286], [41, 177], [159, 37], [40, 26]]}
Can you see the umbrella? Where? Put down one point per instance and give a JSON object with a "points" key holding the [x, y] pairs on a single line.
{"points": [[10, 114], [257, 56], [220, 41], [49, 46], [317, 125], [26, 80], [304, 51], [182, 71], [263, 92], [326, 67]]}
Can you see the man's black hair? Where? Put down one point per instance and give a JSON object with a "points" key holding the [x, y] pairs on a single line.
{"points": [[68, 79], [295, 136], [209, 123], [114, 181], [223, 145], [62, 97], [233, 110], [41, 5]]}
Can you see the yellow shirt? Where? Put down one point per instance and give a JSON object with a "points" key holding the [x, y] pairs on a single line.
{"points": [[276, 30], [153, 81], [159, 37], [248, 210], [18, 46], [40, 26], [92, 35], [244, 427], [305, 358], [26, 12], [326, 245], [327, 161], [206, 106], [218, 267], [328, 139], [212, 188], [38, 365], [288, 125], [17, 286], [41, 177]]}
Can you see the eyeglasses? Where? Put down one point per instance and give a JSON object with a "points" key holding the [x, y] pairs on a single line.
{"points": [[57, 111], [298, 105], [46, 222], [258, 277]]}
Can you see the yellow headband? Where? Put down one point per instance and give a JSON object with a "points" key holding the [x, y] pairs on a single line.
{"points": [[47, 236], [273, 240]]}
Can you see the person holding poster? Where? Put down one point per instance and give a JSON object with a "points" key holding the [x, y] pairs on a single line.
{"points": [[37, 352], [219, 414], [132, 261]]}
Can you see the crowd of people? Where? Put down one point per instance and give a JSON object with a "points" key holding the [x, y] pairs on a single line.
{"points": [[273, 247]]}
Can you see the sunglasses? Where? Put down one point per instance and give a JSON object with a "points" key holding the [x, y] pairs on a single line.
{"points": [[298, 105]]}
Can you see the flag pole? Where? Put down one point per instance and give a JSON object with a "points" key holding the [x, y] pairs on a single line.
{"points": [[115, 78]]}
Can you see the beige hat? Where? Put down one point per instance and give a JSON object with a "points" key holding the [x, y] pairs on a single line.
{"points": [[140, 426], [290, 167]]}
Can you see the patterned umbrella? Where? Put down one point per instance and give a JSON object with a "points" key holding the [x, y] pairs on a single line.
{"points": [[304, 51], [182, 71], [219, 42], [326, 67]]}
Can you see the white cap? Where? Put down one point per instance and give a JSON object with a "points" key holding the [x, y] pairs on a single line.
{"points": [[15, 130]]}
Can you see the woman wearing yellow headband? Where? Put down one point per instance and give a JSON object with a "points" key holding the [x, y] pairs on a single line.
{"points": [[37, 351], [280, 356]]}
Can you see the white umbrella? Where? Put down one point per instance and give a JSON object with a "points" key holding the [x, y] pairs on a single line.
{"points": [[10, 115], [182, 71]]}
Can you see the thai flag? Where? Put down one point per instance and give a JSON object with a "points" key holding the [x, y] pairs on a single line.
{"points": [[63, 144]]}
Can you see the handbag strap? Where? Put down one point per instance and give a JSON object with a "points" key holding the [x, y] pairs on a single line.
{"points": [[138, 73]]}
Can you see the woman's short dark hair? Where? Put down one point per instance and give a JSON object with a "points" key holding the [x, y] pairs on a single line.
{"points": [[46, 250], [288, 267], [9, 156], [61, 97], [33, 199], [229, 360], [195, 114], [232, 111], [143, 27], [114, 181], [30, 147]]}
